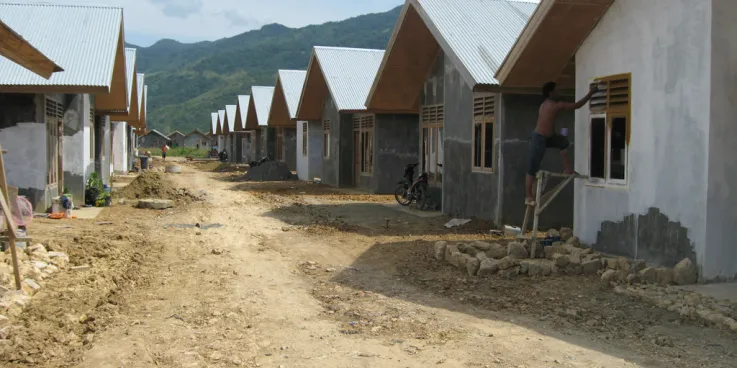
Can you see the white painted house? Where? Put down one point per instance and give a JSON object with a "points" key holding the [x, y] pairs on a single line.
{"points": [[54, 128], [257, 119], [658, 142]]}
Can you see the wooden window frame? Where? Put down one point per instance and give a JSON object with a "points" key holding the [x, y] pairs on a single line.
{"points": [[613, 102], [432, 118], [484, 114], [326, 139], [304, 138], [364, 126]]}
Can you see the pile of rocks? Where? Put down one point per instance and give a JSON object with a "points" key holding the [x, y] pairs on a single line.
{"points": [[269, 171], [566, 257], [36, 264]]}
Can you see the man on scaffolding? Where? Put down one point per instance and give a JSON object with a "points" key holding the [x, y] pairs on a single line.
{"points": [[545, 137]]}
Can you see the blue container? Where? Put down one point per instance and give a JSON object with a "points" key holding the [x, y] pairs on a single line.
{"points": [[144, 162]]}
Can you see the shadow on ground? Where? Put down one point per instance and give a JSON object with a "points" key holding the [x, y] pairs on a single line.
{"points": [[573, 309]]}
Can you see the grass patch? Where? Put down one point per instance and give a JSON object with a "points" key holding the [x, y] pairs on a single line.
{"points": [[180, 152]]}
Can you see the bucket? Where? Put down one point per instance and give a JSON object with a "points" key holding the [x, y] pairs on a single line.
{"points": [[144, 162]]}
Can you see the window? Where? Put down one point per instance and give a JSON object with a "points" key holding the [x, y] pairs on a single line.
{"points": [[304, 138], [54, 117], [609, 131], [92, 133], [483, 133], [363, 126], [326, 139], [432, 141]]}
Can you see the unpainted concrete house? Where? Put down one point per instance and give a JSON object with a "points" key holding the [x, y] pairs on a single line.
{"points": [[282, 117], [247, 145], [154, 139], [123, 123], [196, 139], [229, 131], [257, 120], [360, 148], [658, 141], [473, 136], [177, 138], [55, 130], [215, 132], [222, 141]]}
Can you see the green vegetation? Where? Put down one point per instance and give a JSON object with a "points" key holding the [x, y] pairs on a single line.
{"points": [[180, 152], [187, 82]]}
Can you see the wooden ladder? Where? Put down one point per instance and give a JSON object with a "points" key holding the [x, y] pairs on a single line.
{"points": [[543, 200]]}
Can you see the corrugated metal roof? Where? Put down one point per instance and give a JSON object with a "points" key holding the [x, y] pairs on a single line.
{"points": [[243, 101], [130, 68], [145, 103], [262, 100], [479, 32], [140, 80], [230, 116], [154, 131], [349, 74], [83, 39], [292, 82], [221, 120], [214, 122]]}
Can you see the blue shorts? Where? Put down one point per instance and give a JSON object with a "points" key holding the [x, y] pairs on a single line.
{"points": [[538, 144]]}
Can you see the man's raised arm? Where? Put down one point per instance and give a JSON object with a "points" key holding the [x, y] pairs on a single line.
{"points": [[580, 103]]}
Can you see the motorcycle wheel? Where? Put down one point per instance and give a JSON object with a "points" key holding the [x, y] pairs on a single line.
{"points": [[400, 194]]}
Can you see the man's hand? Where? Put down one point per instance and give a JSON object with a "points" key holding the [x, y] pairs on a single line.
{"points": [[594, 88]]}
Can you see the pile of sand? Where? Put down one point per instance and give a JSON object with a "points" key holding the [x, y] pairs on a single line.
{"points": [[150, 184], [269, 171]]}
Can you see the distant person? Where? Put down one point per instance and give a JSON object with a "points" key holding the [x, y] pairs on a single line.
{"points": [[198, 146], [164, 148]]}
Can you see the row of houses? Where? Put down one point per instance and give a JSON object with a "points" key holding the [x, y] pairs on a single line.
{"points": [[60, 124], [458, 90], [195, 139]]}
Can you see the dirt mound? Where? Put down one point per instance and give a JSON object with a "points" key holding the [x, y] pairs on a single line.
{"points": [[150, 184], [269, 171]]}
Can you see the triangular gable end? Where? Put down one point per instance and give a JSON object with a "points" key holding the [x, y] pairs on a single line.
{"points": [[133, 114], [221, 120], [314, 92], [230, 118], [251, 119], [213, 123], [279, 113], [241, 112], [117, 99]]}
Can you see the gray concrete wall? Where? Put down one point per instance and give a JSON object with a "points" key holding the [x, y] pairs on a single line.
{"points": [[76, 146], [314, 150], [660, 213], [519, 115], [432, 93], [106, 161], [152, 140], [194, 139], [290, 148], [331, 164], [302, 160], [23, 135], [720, 253]]}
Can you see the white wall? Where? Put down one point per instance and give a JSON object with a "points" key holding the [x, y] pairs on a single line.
{"points": [[25, 162], [302, 161], [665, 44], [120, 146]]}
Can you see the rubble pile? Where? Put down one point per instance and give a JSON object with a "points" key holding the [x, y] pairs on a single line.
{"points": [[36, 264], [269, 171], [565, 257], [155, 185]]}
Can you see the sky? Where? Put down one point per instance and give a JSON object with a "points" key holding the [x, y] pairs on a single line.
{"points": [[147, 21]]}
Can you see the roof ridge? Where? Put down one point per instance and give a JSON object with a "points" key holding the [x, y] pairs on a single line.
{"points": [[347, 48], [64, 5]]}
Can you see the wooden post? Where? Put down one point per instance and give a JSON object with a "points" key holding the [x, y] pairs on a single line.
{"points": [[538, 194], [10, 224]]}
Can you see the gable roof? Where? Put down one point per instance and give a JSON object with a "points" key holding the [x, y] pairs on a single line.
{"points": [[242, 112], [261, 100], [230, 118], [287, 92], [17, 49], [345, 73], [154, 131], [475, 35], [140, 80], [196, 131], [132, 114], [221, 121], [144, 115], [213, 123], [175, 132], [554, 33], [85, 39]]}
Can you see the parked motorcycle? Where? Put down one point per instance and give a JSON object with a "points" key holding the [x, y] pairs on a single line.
{"points": [[413, 190], [259, 162], [223, 156]]}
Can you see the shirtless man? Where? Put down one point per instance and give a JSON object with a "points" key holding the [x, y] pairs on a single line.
{"points": [[545, 137]]}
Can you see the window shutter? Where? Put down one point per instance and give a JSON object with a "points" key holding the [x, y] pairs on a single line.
{"points": [[433, 114], [614, 94], [483, 107]]}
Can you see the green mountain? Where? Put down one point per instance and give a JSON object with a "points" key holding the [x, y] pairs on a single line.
{"points": [[186, 82]]}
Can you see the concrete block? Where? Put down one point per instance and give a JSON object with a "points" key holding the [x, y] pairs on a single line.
{"points": [[157, 204]]}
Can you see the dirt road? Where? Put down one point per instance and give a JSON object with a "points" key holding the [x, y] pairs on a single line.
{"points": [[298, 275]]}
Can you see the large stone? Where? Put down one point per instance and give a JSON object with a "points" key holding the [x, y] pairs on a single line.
{"points": [[560, 260], [36, 248], [524, 267], [439, 250], [463, 258], [574, 269], [665, 276], [454, 258], [632, 278], [623, 264], [449, 250], [59, 259], [508, 262], [510, 272], [591, 267], [156, 204], [574, 259], [472, 266], [496, 251], [685, 273], [637, 265], [566, 233], [481, 246], [535, 268], [488, 266], [30, 287], [608, 277], [463, 247], [22, 256], [517, 250], [649, 275], [552, 250], [574, 241]]}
